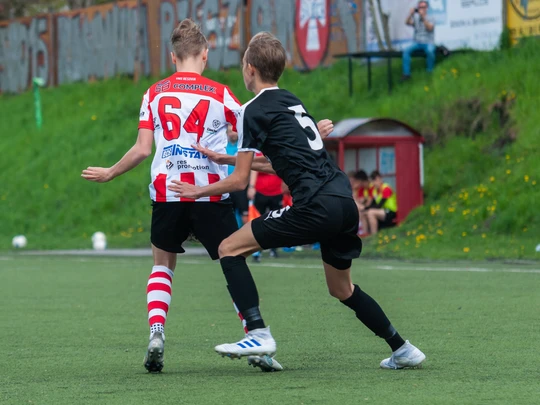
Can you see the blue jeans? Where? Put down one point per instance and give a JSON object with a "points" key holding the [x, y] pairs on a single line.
{"points": [[429, 49]]}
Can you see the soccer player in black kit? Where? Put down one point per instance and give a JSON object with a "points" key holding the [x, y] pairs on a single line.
{"points": [[276, 123]]}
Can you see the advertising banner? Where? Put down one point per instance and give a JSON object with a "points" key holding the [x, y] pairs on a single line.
{"points": [[474, 24], [523, 18]]}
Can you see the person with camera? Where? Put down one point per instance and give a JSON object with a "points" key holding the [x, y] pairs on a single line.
{"points": [[423, 40]]}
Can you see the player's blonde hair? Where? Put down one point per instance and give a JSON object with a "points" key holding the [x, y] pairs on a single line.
{"points": [[266, 54], [188, 40]]}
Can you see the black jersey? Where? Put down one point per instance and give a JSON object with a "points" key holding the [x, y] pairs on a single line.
{"points": [[276, 123]]}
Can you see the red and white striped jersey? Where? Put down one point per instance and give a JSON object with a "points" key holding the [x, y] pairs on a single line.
{"points": [[182, 110]]}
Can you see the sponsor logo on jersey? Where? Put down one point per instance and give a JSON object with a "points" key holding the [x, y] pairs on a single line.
{"points": [[157, 125], [177, 150], [194, 87], [184, 165], [141, 115], [169, 165], [312, 23], [163, 86], [216, 124]]}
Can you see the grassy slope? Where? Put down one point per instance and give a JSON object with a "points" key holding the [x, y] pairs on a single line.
{"points": [[77, 332], [43, 197]]}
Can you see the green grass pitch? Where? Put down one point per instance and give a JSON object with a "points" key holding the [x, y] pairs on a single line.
{"points": [[73, 331]]}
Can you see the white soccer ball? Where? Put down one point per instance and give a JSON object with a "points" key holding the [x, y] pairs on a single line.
{"points": [[19, 242], [99, 241], [98, 236], [99, 245]]}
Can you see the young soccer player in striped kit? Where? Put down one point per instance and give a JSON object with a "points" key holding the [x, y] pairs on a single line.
{"points": [[176, 113]]}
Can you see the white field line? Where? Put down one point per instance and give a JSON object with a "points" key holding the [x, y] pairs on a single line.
{"points": [[357, 267]]}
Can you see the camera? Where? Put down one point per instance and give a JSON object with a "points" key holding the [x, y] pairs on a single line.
{"points": [[416, 10]]}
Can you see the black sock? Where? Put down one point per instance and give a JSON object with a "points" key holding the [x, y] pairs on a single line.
{"points": [[243, 290], [371, 314]]}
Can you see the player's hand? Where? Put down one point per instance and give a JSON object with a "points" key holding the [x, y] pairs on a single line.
{"points": [[184, 190], [325, 127], [98, 174], [212, 155]]}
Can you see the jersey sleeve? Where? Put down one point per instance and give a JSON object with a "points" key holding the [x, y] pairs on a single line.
{"points": [[146, 120], [387, 193], [231, 105], [251, 125]]}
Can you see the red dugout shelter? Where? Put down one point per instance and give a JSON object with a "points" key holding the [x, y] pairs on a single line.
{"points": [[387, 145]]}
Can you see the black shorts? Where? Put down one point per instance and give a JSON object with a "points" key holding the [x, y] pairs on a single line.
{"points": [[330, 220], [265, 203], [240, 202], [388, 220], [209, 222]]}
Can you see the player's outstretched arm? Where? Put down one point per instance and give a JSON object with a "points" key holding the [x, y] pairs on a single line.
{"points": [[140, 151], [237, 181], [259, 164]]}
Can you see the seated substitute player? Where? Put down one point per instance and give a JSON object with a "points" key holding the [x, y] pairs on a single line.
{"points": [[177, 112], [383, 209], [276, 123]]}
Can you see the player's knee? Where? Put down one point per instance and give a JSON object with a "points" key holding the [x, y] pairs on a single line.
{"points": [[224, 248], [341, 292]]}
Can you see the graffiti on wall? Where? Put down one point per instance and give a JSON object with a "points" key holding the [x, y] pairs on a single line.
{"points": [[99, 44], [104, 41], [24, 52]]}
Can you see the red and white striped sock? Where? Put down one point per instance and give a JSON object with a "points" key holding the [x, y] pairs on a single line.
{"points": [[158, 297], [241, 318]]}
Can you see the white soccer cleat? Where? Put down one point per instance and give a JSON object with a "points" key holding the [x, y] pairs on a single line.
{"points": [[265, 363], [258, 342], [407, 356], [153, 361]]}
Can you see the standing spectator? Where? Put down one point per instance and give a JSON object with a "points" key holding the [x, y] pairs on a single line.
{"points": [[424, 38], [266, 192], [239, 198], [383, 209]]}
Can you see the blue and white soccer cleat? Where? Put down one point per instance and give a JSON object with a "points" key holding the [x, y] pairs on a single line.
{"points": [[258, 342], [407, 356], [265, 363]]}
